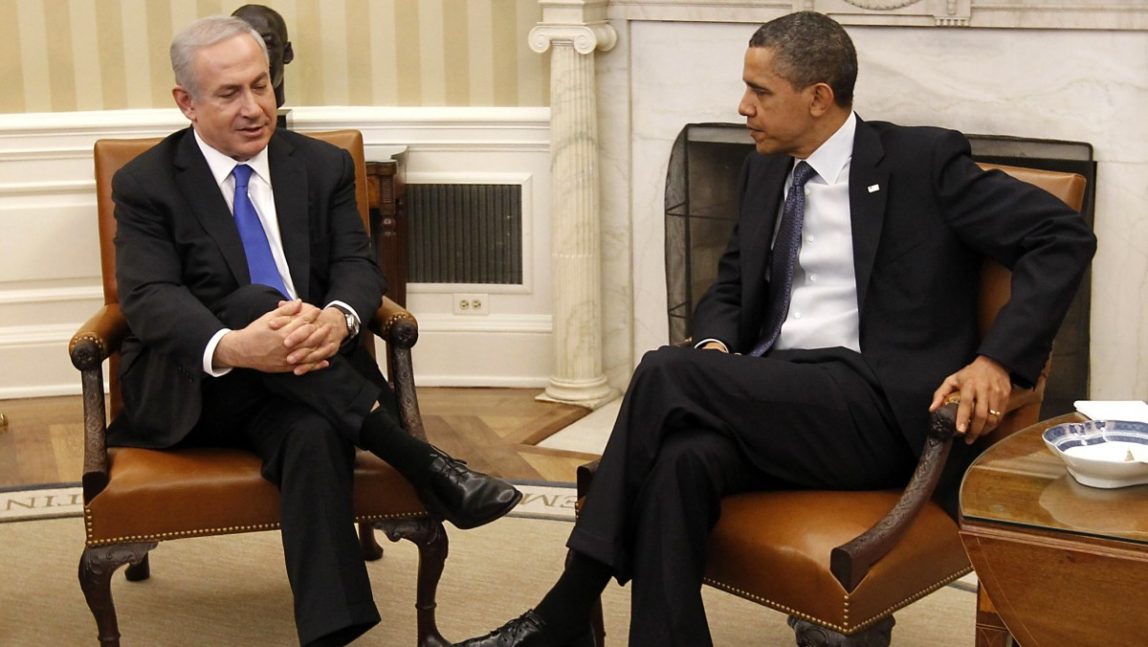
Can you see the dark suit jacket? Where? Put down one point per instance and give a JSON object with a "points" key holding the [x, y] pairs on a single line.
{"points": [[917, 244], [178, 253]]}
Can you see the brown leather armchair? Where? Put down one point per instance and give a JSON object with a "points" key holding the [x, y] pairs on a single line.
{"points": [[136, 498], [840, 563]]}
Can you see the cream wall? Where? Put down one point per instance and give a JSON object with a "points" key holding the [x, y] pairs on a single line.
{"points": [[68, 55]]}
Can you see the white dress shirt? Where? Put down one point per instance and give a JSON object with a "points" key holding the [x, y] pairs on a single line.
{"points": [[263, 198], [823, 305]]}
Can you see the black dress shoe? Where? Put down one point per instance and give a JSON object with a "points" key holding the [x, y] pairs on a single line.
{"points": [[462, 496], [527, 630]]}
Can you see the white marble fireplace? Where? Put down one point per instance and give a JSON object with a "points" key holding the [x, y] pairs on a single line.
{"points": [[1055, 69]]}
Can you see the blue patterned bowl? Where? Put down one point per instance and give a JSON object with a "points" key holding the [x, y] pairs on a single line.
{"points": [[1102, 453]]}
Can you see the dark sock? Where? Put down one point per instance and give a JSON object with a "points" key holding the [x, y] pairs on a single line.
{"points": [[566, 608], [383, 436]]}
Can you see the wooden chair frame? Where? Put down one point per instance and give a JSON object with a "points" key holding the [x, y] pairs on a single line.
{"points": [[98, 340]]}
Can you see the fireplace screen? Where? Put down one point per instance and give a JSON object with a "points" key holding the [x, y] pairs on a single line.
{"points": [[701, 209]]}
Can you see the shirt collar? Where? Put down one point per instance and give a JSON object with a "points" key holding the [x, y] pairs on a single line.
{"points": [[834, 154], [221, 165]]}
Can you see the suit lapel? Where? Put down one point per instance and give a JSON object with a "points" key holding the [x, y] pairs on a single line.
{"points": [[289, 180], [195, 181], [868, 193]]}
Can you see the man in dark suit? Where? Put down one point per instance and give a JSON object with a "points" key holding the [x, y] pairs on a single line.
{"points": [[826, 384], [244, 270]]}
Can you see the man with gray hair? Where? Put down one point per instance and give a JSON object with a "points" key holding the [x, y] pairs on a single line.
{"points": [[243, 270]]}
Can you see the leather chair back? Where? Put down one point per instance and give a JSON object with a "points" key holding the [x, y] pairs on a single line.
{"points": [[112, 154]]}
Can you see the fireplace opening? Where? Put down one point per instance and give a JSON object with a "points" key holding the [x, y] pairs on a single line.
{"points": [[701, 209]]}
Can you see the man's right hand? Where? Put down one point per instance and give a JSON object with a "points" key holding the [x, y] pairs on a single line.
{"points": [[715, 345], [262, 344]]}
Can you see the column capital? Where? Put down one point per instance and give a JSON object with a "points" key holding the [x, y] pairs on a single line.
{"points": [[586, 37]]}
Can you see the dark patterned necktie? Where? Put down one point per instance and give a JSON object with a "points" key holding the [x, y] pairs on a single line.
{"points": [[260, 262], [783, 260]]}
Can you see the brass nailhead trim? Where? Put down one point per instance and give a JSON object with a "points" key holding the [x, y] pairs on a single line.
{"points": [[845, 602], [205, 532], [92, 337], [394, 319]]}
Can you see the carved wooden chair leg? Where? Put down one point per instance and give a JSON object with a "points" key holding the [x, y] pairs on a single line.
{"points": [[811, 635], [430, 536], [139, 572], [97, 565], [370, 545]]}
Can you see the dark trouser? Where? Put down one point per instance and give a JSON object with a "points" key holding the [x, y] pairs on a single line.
{"points": [[304, 428], [698, 425]]}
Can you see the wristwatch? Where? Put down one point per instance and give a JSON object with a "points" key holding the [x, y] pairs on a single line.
{"points": [[351, 319]]}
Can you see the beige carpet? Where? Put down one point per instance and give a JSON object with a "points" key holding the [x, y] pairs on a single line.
{"points": [[233, 591]]}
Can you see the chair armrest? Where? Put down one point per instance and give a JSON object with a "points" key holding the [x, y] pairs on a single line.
{"points": [[850, 562], [395, 324], [99, 337], [96, 340], [400, 330]]}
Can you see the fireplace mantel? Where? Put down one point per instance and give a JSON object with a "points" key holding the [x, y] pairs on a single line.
{"points": [[1119, 15]]}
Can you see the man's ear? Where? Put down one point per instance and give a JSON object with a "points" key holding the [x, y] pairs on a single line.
{"points": [[822, 99], [288, 53], [185, 102]]}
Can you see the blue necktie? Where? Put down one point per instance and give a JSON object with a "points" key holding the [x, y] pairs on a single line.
{"points": [[260, 262], [783, 260]]}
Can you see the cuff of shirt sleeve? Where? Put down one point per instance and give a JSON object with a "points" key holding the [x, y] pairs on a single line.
{"points": [[209, 353], [348, 308]]}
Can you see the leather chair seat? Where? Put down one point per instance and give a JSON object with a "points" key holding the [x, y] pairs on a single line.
{"points": [[158, 495], [774, 547]]}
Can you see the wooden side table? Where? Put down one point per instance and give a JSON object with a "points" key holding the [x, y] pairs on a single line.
{"points": [[1061, 563], [386, 190]]}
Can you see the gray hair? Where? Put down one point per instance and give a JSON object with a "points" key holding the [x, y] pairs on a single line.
{"points": [[204, 32], [810, 48]]}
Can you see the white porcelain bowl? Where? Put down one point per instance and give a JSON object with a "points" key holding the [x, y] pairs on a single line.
{"points": [[1102, 453]]}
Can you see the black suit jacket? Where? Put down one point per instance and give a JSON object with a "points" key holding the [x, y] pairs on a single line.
{"points": [[178, 253], [917, 244]]}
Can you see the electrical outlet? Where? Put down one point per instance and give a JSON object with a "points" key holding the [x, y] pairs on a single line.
{"points": [[471, 304]]}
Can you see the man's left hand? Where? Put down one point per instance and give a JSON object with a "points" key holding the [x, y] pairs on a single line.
{"points": [[983, 388], [316, 337]]}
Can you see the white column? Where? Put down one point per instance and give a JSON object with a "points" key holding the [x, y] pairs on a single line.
{"points": [[573, 31]]}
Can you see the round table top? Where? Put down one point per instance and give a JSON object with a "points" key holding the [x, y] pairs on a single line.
{"points": [[1020, 482]]}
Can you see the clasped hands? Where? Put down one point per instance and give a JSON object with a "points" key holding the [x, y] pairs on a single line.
{"points": [[295, 337]]}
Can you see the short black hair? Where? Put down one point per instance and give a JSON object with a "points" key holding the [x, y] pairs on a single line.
{"points": [[809, 48]]}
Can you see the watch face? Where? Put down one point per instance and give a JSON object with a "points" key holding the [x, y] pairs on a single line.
{"points": [[352, 325]]}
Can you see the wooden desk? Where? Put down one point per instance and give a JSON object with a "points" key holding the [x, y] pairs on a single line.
{"points": [[1063, 564], [386, 190]]}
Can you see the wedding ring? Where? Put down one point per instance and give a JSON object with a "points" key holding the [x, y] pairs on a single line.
{"points": [[994, 412]]}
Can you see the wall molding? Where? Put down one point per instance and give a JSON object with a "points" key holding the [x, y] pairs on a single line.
{"points": [[493, 323], [1120, 15], [15, 189], [50, 295]]}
